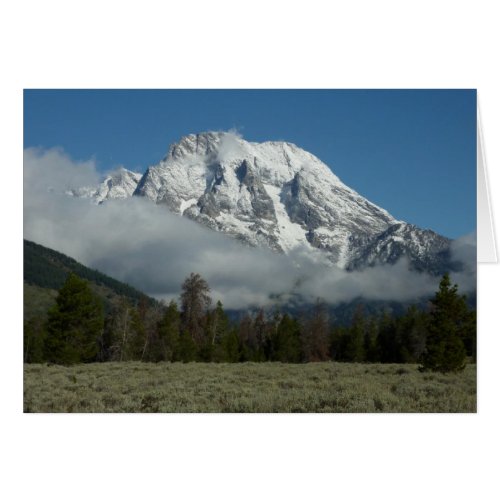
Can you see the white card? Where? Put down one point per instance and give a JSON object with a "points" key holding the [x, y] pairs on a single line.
{"points": [[486, 247]]}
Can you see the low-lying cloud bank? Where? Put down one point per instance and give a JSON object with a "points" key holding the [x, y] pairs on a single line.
{"points": [[154, 250], [464, 251]]}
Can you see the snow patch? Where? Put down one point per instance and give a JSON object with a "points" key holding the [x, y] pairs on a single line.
{"points": [[185, 204], [291, 234]]}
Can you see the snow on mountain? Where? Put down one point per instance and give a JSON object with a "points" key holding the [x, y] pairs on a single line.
{"points": [[270, 194], [424, 249], [117, 185], [276, 195]]}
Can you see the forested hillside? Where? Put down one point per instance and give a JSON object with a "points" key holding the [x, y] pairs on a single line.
{"points": [[95, 318], [45, 272], [46, 268]]}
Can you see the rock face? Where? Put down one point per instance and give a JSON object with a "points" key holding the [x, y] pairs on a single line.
{"points": [[424, 249], [118, 185], [277, 195]]}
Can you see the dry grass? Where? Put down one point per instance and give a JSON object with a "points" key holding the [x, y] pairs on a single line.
{"points": [[246, 387]]}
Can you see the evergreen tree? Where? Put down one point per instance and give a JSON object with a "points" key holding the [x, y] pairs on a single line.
{"points": [[169, 332], [187, 348], [246, 338], [259, 340], [468, 333], [195, 300], [287, 341], [355, 348], [371, 347], [229, 348], [107, 339], [411, 335], [339, 338], [151, 315], [445, 350], [74, 324], [135, 343], [270, 335], [315, 333], [387, 343], [217, 328]]}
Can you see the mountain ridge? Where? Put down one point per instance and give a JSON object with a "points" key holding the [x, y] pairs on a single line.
{"points": [[276, 195]]}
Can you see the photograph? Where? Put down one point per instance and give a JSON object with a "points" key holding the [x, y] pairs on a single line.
{"points": [[249, 250]]}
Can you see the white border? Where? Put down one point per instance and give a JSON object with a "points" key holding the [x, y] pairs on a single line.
{"points": [[359, 44]]}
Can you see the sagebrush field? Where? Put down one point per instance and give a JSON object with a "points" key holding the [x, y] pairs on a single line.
{"points": [[246, 387]]}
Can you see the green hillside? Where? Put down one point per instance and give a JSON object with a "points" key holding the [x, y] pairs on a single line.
{"points": [[45, 271]]}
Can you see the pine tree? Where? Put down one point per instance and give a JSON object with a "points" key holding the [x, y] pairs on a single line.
{"points": [[74, 324], [269, 334], [371, 347], [187, 350], [468, 333], [387, 345], [246, 338], [355, 348], [412, 334], [169, 332], [287, 341], [339, 338], [258, 341], [229, 347], [135, 342], [315, 334], [218, 330], [195, 300], [445, 350], [151, 315]]}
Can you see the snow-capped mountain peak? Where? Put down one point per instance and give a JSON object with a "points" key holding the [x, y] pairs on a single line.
{"points": [[119, 184], [271, 194]]}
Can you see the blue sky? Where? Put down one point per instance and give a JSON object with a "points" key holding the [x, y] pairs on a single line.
{"points": [[413, 152]]}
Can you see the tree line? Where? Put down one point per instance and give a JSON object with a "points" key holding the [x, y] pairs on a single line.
{"points": [[441, 338]]}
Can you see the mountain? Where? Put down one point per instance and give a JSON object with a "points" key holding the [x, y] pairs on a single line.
{"points": [[424, 249], [117, 185], [276, 195], [46, 270]]}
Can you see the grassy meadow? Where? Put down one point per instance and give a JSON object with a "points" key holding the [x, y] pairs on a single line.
{"points": [[245, 387]]}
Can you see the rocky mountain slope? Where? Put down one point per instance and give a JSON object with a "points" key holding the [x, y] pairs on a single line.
{"points": [[424, 249], [118, 185], [276, 195]]}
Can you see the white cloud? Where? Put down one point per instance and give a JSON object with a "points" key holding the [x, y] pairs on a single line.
{"points": [[54, 169], [154, 250], [230, 146], [464, 251]]}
